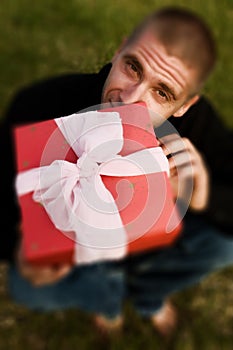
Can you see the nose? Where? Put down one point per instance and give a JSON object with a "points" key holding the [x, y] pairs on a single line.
{"points": [[133, 94]]}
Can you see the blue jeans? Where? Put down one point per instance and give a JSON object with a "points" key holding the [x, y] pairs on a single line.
{"points": [[145, 279]]}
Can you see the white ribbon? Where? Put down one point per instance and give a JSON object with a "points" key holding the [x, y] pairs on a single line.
{"points": [[74, 195]]}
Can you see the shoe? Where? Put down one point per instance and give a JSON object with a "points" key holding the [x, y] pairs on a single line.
{"points": [[165, 320], [108, 325]]}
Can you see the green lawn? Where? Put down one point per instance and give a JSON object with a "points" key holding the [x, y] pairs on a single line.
{"points": [[47, 37]]}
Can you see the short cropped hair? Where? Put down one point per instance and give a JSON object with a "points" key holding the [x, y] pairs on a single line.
{"points": [[185, 35]]}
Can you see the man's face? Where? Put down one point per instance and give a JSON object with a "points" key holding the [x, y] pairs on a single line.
{"points": [[144, 72]]}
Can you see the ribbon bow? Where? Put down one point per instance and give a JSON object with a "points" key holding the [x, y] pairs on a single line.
{"points": [[74, 195]]}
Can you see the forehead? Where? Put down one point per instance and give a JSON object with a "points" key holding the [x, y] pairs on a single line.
{"points": [[154, 56]]}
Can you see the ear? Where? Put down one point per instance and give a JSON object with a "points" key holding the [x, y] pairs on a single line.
{"points": [[120, 48], [183, 109]]}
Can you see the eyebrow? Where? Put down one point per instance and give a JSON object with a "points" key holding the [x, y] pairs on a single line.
{"points": [[163, 86], [134, 60]]}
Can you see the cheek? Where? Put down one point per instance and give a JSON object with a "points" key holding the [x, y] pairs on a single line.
{"points": [[115, 83], [158, 111], [111, 82], [155, 107], [117, 78]]}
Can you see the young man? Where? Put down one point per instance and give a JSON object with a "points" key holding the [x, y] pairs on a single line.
{"points": [[164, 63]]}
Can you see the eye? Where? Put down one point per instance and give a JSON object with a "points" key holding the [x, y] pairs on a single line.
{"points": [[162, 94], [133, 70], [133, 67]]}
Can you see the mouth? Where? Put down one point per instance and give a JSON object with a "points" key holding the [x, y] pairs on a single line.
{"points": [[111, 103]]}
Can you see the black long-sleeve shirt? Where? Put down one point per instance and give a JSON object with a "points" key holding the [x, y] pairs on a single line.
{"points": [[67, 94]]}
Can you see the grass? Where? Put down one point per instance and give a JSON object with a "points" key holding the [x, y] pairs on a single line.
{"points": [[48, 37], [205, 323]]}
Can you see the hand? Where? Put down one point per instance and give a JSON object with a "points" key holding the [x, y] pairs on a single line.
{"points": [[188, 173], [41, 275]]}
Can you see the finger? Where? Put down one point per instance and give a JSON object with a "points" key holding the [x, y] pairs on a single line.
{"points": [[179, 160], [34, 273], [172, 144], [48, 275], [63, 270]]}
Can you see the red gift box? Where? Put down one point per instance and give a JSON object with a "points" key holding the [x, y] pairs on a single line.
{"points": [[150, 218]]}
